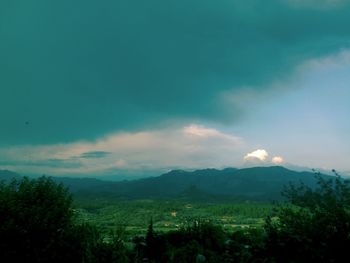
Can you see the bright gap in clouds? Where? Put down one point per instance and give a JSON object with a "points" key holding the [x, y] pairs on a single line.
{"points": [[307, 123], [193, 146], [305, 117], [201, 131]]}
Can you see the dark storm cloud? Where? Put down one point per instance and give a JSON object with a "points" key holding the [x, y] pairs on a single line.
{"points": [[79, 69]]}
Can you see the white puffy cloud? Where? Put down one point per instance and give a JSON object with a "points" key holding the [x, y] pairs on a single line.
{"points": [[261, 157], [277, 160], [258, 155]]}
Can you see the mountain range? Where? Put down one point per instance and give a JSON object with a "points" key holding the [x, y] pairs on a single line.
{"points": [[257, 183]]}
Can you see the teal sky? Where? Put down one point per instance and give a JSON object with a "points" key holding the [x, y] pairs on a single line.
{"points": [[131, 86]]}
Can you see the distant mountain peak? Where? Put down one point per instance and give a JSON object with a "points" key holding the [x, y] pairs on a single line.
{"points": [[175, 172], [255, 183]]}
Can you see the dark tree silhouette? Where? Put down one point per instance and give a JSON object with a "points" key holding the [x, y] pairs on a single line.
{"points": [[315, 227], [37, 225]]}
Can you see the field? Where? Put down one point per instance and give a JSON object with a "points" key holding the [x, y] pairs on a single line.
{"points": [[134, 215]]}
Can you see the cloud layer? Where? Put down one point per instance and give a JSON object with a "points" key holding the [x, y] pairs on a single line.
{"points": [[193, 146], [73, 70]]}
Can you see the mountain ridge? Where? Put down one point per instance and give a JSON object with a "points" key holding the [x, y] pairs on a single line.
{"points": [[258, 183]]}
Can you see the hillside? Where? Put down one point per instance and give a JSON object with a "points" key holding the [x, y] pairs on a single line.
{"points": [[258, 183], [6, 175], [250, 183]]}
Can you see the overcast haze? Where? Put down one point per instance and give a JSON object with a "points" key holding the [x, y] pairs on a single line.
{"points": [[130, 86]]}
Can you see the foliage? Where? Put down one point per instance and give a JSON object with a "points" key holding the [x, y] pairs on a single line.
{"points": [[35, 218], [195, 239], [245, 246], [37, 224], [315, 227], [168, 215]]}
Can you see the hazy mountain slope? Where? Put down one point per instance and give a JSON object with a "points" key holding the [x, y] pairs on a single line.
{"points": [[259, 182], [249, 183], [6, 175]]}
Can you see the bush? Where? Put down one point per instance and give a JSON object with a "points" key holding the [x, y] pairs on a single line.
{"points": [[37, 224], [315, 227], [35, 219]]}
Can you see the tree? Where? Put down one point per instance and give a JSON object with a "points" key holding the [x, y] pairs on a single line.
{"points": [[245, 245], [37, 223], [315, 226], [197, 240]]}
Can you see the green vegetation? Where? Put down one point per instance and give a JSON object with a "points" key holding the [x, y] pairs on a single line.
{"points": [[208, 185], [39, 222], [315, 227], [107, 214]]}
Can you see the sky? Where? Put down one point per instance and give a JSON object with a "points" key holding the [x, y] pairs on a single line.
{"points": [[130, 87]]}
